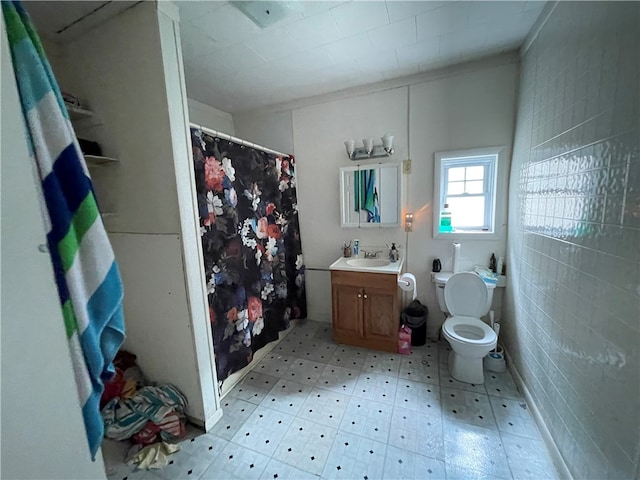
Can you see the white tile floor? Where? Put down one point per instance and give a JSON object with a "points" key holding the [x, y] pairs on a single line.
{"points": [[314, 409]]}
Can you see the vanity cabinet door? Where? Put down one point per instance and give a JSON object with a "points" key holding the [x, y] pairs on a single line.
{"points": [[379, 315], [347, 313], [365, 310]]}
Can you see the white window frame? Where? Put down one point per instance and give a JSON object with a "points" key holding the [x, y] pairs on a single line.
{"points": [[493, 159]]}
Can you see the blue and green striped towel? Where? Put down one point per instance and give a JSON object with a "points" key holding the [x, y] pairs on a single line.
{"points": [[87, 276]]}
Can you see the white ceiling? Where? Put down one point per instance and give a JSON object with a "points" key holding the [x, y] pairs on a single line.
{"points": [[315, 47]]}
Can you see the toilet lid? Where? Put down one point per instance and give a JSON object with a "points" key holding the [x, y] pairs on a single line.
{"points": [[466, 294]]}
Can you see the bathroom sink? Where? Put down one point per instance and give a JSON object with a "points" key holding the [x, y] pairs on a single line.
{"points": [[368, 262]]}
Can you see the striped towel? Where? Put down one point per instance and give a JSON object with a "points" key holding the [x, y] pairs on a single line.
{"points": [[163, 406], [87, 277]]}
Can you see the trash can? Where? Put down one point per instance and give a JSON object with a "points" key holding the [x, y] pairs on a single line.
{"points": [[414, 316]]}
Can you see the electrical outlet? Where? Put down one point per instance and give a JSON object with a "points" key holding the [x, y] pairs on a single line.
{"points": [[406, 167]]}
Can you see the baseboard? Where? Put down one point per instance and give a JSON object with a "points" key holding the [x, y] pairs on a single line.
{"points": [[558, 461]]}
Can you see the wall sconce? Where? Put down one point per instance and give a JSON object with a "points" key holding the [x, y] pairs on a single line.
{"points": [[408, 222], [370, 150]]}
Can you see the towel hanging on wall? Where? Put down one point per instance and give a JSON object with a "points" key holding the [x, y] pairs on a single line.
{"points": [[86, 274]]}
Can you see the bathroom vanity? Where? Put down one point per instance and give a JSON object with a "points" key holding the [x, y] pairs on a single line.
{"points": [[365, 303]]}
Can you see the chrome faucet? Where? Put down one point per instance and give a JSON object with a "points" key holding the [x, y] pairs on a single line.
{"points": [[371, 254]]}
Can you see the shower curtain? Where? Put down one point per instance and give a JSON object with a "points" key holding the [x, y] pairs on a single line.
{"points": [[251, 246]]}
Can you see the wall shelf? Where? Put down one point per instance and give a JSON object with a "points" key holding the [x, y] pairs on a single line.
{"points": [[97, 160]]}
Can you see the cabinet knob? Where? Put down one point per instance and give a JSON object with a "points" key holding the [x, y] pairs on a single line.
{"points": [[365, 295], [359, 295]]}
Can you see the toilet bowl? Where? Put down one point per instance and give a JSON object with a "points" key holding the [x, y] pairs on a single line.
{"points": [[465, 297]]}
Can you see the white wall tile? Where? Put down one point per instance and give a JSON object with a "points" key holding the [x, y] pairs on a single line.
{"points": [[569, 222]]}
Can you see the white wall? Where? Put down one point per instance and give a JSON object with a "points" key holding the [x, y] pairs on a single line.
{"points": [[211, 117], [465, 107], [43, 433], [129, 71], [277, 136], [574, 291]]}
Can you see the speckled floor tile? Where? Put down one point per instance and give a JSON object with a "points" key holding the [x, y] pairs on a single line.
{"points": [[408, 465], [325, 407], [501, 385], [263, 430], [383, 363], [514, 417], [338, 379], [417, 432], [422, 397], [305, 371], [349, 357], [286, 396], [376, 387], [419, 370], [528, 458], [306, 445], [476, 449], [277, 470], [253, 387], [367, 418], [234, 413], [467, 407], [353, 456], [275, 365], [236, 462]]}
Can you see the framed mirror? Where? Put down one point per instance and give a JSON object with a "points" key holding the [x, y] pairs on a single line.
{"points": [[370, 195]]}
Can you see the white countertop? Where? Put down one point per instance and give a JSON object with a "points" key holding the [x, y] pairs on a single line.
{"points": [[392, 268]]}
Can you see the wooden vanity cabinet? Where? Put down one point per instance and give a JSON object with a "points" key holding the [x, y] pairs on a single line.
{"points": [[365, 309]]}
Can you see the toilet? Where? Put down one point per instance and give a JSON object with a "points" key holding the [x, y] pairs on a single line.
{"points": [[464, 297]]}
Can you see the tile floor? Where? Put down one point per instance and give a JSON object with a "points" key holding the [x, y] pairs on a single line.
{"points": [[314, 409]]}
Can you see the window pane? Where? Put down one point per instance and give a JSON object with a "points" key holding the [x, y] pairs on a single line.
{"points": [[477, 186], [466, 211], [475, 173], [455, 188], [456, 174]]}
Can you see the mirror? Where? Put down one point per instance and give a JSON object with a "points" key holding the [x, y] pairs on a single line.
{"points": [[370, 195]]}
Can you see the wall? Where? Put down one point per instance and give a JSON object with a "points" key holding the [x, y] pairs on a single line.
{"points": [[574, 228], [129, 71], [210, 117], [463, 107], [37, 376]]}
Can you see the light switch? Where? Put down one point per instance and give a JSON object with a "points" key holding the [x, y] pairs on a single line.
{"points": [[406, 166]]}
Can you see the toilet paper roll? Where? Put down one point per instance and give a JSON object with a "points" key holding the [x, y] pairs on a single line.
{"points": [[456, 258], [407, 282]]}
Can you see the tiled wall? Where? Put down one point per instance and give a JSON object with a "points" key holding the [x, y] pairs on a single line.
{"points": [[572, 316]]}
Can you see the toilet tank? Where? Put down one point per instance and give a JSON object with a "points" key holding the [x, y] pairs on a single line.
{"points": [[440, 280]]}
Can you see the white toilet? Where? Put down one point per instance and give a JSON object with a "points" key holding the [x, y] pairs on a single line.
{"points": [[464, 297]]}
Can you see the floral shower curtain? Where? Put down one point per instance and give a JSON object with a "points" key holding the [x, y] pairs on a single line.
{"points": [[251, 245]]}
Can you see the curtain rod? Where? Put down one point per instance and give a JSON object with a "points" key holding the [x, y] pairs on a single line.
{"points": [[215, 133]]}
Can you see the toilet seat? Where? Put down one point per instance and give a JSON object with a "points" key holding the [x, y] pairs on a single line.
{"points": [[469, 330]]}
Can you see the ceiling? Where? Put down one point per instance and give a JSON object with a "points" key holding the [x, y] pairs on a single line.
{"points": [[315, 47]]}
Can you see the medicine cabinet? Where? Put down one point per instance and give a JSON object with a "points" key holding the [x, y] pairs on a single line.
{"points": [[370, 195]]}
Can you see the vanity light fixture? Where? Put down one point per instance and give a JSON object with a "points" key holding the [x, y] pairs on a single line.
{"points": [[408, 222], [369, 150]]}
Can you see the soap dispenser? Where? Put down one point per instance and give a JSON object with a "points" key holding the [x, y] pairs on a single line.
{"points": [[394, 255]]}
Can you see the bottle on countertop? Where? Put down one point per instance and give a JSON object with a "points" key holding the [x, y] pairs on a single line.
{"points": [[394, 255], [492, 263], [500, 265], [356, 247]]}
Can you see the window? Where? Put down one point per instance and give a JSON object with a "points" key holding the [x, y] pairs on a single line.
{"points": [[466, 181]]}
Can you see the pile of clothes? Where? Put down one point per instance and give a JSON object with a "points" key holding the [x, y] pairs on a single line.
{"points": [[133, 409]]}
